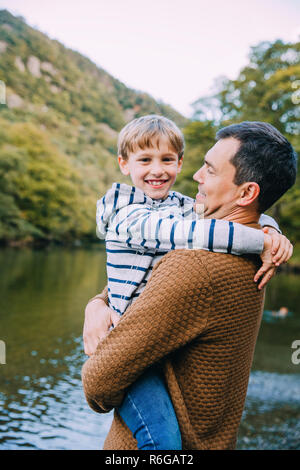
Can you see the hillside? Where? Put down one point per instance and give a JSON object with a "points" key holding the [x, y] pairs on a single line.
{"points": [[61, 117], [58, 130]]}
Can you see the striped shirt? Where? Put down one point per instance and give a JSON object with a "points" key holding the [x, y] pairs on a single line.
{"points": [[138, 231]]}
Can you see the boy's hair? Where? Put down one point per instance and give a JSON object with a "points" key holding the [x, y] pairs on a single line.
{"points": [[265, 156], [145, 131]]}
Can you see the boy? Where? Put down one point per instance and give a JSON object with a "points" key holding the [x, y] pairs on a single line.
{"points": [[140, 224]]}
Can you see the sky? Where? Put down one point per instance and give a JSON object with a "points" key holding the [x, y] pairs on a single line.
{"points": [[172, 49]]}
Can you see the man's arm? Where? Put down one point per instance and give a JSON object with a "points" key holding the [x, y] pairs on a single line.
{"points": [[172, 311]]}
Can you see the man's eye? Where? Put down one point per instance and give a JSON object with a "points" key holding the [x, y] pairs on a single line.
{"points": [[210, 171], [144, 160]]}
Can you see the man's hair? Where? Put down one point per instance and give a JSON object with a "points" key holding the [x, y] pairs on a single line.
{"points": [[265, 157], [145, 132]]}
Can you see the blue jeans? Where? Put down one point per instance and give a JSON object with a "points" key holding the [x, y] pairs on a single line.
{"points": [[148, 412]]}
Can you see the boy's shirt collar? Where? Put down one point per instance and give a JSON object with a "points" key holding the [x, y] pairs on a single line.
{"points": [[121, 195]]}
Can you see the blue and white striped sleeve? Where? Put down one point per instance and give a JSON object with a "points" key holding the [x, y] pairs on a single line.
{"points": [[101, 225], [140, 227], [268, 221], [119, 196]]}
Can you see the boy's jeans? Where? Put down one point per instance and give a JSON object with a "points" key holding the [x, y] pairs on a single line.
{"points": [[148, 412]]}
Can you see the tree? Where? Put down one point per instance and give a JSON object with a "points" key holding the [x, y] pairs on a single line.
{"points": [[267, 89], [199, 137]]}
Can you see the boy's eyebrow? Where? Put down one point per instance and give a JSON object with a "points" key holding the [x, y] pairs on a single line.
{"points": [[169, 155], [145, 154]]}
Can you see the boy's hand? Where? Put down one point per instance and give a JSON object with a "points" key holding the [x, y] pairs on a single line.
{"points": [[98, 320], [277, 249], [282, 249]]}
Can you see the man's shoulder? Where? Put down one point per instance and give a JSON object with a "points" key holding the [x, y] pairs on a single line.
{"points": [[210, 262]]}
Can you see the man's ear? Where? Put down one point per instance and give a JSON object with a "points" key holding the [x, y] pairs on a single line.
{"points": [[249, 193], [123, 164]]}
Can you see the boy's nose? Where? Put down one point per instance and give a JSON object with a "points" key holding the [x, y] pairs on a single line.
{"points": [[156, 170]]}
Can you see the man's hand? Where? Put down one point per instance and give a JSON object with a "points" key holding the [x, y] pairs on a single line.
{"points": [[98, 320], [277, 250]]}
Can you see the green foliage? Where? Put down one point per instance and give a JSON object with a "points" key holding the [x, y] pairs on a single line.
{"points": [[267, 89], [39, 188], [59, 131], [58, 135], [199, 137]]}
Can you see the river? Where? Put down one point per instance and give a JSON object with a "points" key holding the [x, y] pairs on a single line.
{"points": [[42, 299]]}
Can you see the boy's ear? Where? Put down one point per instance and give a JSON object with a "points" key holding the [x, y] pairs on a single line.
{"points": [[180, 162], [123, 164]]}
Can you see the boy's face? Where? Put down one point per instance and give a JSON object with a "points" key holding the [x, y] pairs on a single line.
{"points": [[153, 170]]}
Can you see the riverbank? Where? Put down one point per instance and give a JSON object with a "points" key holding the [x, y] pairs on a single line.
{"points": [[43, 296], [293, 266], [48, 244]]}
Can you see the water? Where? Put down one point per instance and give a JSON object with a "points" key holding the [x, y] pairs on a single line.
{"points": [[42, 299]]}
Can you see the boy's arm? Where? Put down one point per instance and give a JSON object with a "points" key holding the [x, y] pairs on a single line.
{"points": [[143, 228], [171, 228], [267, 221], [188, 203], [172, 311]]}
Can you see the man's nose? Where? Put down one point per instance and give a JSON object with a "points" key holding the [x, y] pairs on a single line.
{"points": [[198, 176]]}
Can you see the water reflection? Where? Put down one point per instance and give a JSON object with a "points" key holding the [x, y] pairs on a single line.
{"points": [[42, 297], [41, 306]]}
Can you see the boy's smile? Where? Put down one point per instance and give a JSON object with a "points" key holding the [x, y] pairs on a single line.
{"points": [[156, 183], [153, 169]]}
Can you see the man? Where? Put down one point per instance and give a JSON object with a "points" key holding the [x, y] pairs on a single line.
{"points": [[199, 315]]}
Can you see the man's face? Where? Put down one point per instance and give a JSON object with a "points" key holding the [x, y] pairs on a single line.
{"points": [[216, 191]]}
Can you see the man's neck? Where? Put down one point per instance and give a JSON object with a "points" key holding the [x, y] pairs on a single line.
{"points": [[245, 216]]}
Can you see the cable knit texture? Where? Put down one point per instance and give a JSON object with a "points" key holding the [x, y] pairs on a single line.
{"points": [[199, 316]]}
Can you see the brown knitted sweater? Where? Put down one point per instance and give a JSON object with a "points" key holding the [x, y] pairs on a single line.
{"points": [[199, 315]]}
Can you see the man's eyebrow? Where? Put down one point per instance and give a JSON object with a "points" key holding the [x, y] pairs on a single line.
{"points": [[209, 164]]}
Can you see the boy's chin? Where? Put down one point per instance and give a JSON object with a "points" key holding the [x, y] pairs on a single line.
{"points": [[156, 193]]}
